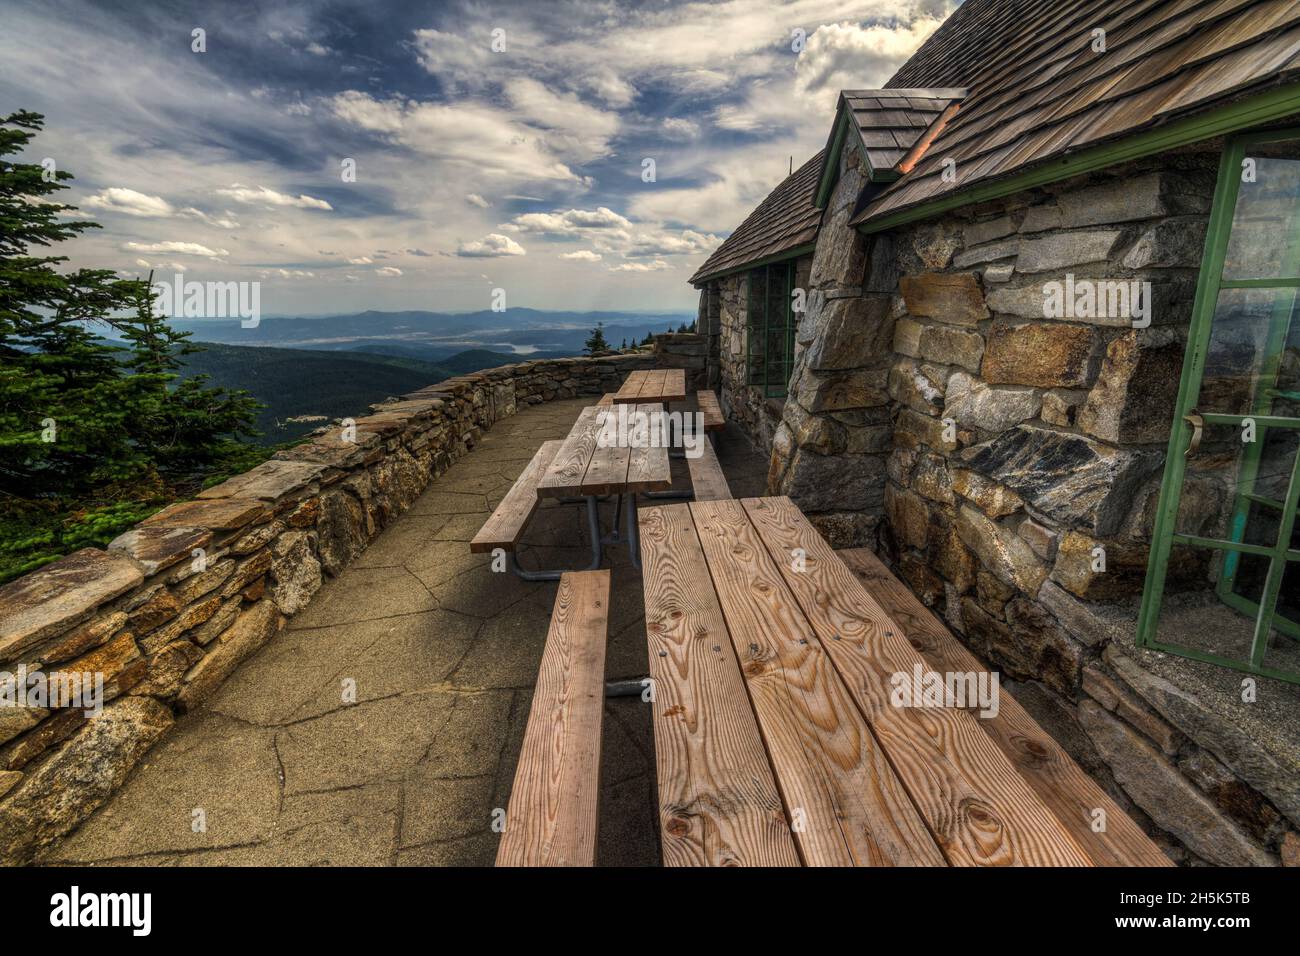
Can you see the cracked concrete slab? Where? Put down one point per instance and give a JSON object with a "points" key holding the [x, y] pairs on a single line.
{"points": [[444, 655]]}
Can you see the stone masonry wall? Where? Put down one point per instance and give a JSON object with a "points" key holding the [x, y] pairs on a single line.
{"points": [[757, 415], [684, 350], [1001, 448], [174, 605]]}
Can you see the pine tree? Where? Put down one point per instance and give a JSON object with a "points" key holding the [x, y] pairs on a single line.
{"points": [[93, 437], [62, 413], [596, 342], [182, 426]]}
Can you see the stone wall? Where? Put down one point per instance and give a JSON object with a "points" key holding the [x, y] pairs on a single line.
{"points": [[988, 451], [728, 299], [173, 606], [684, 350]]}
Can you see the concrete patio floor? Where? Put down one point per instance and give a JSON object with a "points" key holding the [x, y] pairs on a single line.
{"points": [[443, 654]]}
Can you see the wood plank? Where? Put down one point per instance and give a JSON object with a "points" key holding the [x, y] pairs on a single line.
{"points": [[981, 811], [630, 389], [606, 400], [1068, 791], [552, 814], [673, 386], [651, 385], [847, 804], [707, 479], [718, 802], [564, 476], [649, 469], [711, 410], [607, 471], [506, 525]]}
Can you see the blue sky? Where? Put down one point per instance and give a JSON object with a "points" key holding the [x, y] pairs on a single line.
{"points": [[476, 168]]}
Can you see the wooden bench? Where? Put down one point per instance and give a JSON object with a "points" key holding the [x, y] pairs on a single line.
{"points": [[504, 528], [1068, 791], [711, 410], [606, 400], [777, 736], [707, 479], [551, 817]]}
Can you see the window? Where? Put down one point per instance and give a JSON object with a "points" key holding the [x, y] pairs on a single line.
{"points": [[771, 323], [1223, 577]]}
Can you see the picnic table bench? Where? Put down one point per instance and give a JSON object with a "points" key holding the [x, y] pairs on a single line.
{"points": [[777, 741], [579, 468], [551, 817]]}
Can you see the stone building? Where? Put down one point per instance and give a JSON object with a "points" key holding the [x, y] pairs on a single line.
{"points": [[962, 331]]}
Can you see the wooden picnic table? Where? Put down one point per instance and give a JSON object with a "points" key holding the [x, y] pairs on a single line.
{"points": [[653, 385], [582, 468], [776, 739]]}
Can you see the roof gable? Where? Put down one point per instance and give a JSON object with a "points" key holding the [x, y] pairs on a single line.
{"points": [[782, 223], [1039, 88], [889, 124]]}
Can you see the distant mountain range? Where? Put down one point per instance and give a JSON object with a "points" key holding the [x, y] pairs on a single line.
{"points": [[435, 336], [301, 382]]}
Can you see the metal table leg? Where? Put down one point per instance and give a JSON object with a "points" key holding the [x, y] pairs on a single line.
{"points": [[593, 525]]}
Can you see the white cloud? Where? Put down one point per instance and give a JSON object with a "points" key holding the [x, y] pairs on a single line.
{"points": [[479, 137], [569, 222], [575, 131], [678, 127], [687, 242], [474, 199], [657, 266], [492, 245], [582, 255], [388, 272], [316, 49], [264, 196], [168, 266], [130, 202], [176, 248], [360, 261]]}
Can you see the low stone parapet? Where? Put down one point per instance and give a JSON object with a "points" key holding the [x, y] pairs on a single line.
{"points": [[171, 607]]}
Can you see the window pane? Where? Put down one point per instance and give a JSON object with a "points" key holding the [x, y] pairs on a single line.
{"points": [[1238, 362], [1265, 241]]}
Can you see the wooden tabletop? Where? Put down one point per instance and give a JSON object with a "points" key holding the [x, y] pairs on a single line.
{"points": [[654, 385], [775, 736], [582, 467]]}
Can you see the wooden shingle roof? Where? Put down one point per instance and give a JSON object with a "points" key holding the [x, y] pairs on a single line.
{"points": [[890, 122], [783, 222], [1039, 90]]}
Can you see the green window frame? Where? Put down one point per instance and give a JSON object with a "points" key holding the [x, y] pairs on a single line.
{"points": [[1275, 331], [770, 325]]}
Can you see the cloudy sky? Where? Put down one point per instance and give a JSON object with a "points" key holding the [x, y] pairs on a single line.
{"points": [[520, 167]]}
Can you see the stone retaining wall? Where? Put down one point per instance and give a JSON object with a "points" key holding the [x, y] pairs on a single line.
{"points": [[987, 451], [174, 605]]}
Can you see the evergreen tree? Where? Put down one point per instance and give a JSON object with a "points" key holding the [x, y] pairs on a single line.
{"points": [[596, 341], [93, 436], [182, 426], [62, 413]]}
